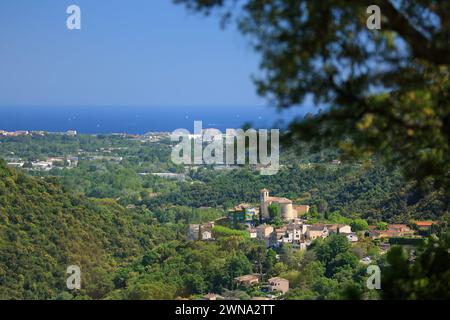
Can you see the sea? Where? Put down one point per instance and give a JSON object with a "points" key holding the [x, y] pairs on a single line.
{"points": [[140, 120]]}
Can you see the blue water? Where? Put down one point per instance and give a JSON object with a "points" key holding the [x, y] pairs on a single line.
{"points": [[139, 120]]}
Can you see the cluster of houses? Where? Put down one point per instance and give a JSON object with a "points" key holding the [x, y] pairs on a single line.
{"points": [[298, 233], [295, 231], [156, 136], [272, 288], [46, 165], [201, 231]]}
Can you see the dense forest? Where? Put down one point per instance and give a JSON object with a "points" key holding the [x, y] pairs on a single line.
{"points": [[355, 191], [43, 230]]}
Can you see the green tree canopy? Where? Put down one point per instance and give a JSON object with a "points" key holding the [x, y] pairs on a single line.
{"points": [[274, 212], [427, 276], [359, 225]]}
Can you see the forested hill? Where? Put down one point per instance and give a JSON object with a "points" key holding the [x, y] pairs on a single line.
{"points": [[44, 229], [373, 193]]}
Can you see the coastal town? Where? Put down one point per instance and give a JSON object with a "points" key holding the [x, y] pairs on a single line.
{"points": [[69, 161]]}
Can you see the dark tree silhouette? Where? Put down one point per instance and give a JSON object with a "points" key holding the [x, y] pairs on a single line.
{"points": [[383, 91]]}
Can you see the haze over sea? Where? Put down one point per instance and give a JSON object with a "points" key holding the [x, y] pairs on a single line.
{"points": [[139, 120]]}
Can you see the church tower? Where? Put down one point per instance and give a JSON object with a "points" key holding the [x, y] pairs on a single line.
{"points": [[264, 195]]}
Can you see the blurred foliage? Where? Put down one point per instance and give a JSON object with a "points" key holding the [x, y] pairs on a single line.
{"points": [[418, 275], [382, 91]]}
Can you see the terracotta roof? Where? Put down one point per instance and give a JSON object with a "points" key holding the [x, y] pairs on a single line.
{"points": [[248, 277], [277, 279], [398, 226], [424, 223], [317, 227], [242, 206], [278, 199]]}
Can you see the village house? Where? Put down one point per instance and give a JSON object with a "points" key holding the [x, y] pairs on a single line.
{"points": [[424, 225], [15, 133], [72, 162], [212, 297], [339, 229], [393, 230], [168, 175], [299, 225], [247, 280], [264, 231], [317, 231], [279, 284], [253, 233], [296, 232], [293, 233], [286, 207], [39, 133], [243, 213], [201, 231], [71, 133]]}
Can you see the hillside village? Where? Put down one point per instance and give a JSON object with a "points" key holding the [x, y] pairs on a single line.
{"points": [[256, 223]]}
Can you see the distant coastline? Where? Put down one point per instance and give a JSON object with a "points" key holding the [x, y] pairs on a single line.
{"points": [[140, 120]]}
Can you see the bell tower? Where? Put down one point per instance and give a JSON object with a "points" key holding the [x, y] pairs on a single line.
{"points": [[264, 196]]}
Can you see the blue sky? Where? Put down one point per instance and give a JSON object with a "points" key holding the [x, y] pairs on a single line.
{"points": [[137, 53]]}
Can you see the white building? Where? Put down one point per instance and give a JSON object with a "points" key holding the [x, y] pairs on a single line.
{"points": [[352, 237], [71, 133], [339, 228], [15, 164]]}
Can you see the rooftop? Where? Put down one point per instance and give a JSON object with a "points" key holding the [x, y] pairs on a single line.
{"points": [[247, 277], [424, 223], [277, 279]]}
